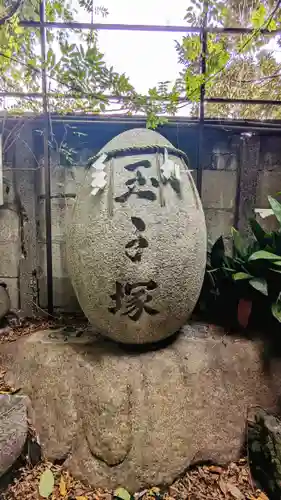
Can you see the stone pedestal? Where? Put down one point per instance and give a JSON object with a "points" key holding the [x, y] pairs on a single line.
{"points": [[13, 429], [138, 419]]}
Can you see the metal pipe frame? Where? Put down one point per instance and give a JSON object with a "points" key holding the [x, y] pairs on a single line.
{"points": [[201, 123], [203, 39], [145, 27], [47, 176], [58, 95]]}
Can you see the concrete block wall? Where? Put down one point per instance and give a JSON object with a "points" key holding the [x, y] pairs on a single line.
{"points": [[18, 244], [260, 176], [218, 199], [10, 248], [219, 186], [238, 174], [64, 185], [218, 196]]}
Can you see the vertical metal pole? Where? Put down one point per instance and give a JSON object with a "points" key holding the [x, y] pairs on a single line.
{"points": [[202, 98], [1, 172], [239, 155], [47, 176]]}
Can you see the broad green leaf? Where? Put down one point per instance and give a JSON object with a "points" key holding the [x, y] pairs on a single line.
{"points": [[46, 484], [276, 207], [257, 230], [259, 284], [122, 494], [241, 276], [277, 263], [263, 254], [276, 308], [275, 270], [238, 242], [258, 16], [271, 25]]}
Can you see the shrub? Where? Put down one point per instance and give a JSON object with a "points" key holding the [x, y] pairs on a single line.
{"points": [[248, 283]]}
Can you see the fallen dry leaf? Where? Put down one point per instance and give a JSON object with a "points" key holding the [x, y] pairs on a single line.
{"points": [[223, 486], [82, 498], [262, 496], [234, 491], [215, 469], [62, 487], [46, 483], [122, 494]]}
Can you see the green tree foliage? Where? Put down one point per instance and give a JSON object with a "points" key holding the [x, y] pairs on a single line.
{"points": [[74, 65], [237, 66]]}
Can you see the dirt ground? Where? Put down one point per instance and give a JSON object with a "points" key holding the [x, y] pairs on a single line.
{"points": [[200, 483]]}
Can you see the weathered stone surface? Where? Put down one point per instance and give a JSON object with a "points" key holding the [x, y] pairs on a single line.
{"points": [[121, 417], [5, 302], [13, 429], [264, 441], [172, 248]]}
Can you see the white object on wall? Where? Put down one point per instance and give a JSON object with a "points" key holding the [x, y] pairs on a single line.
{"points": [[99, 177], [264, 212], [170, 168]]}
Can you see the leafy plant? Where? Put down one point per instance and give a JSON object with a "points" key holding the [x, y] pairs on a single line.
{"points": [[75, 66], [249, 281]]}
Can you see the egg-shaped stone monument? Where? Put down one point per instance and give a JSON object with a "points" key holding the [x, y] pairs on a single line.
{"points": [[136, 243]]}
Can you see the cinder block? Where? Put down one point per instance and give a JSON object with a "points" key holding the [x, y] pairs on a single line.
{"points": [[9, 193], [9, 259], [59, 259], [270, 153], [10, 251], [219, 189], [269, 183], [9, 225], [219, 223], [223, 158], [64, 180], [61, 210], [63, 294], [13, 290], [269, 223]]}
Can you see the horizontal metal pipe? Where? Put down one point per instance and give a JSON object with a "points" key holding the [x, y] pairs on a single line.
{"points": [[59, 95], [268, 125], [224, 100], [249, 127], [144, 27], [218, 100]]}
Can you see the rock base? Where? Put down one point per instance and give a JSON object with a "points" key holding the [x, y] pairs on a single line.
{"points": [[5, 302], [139, 419], [13, 429], [264, 441]]}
